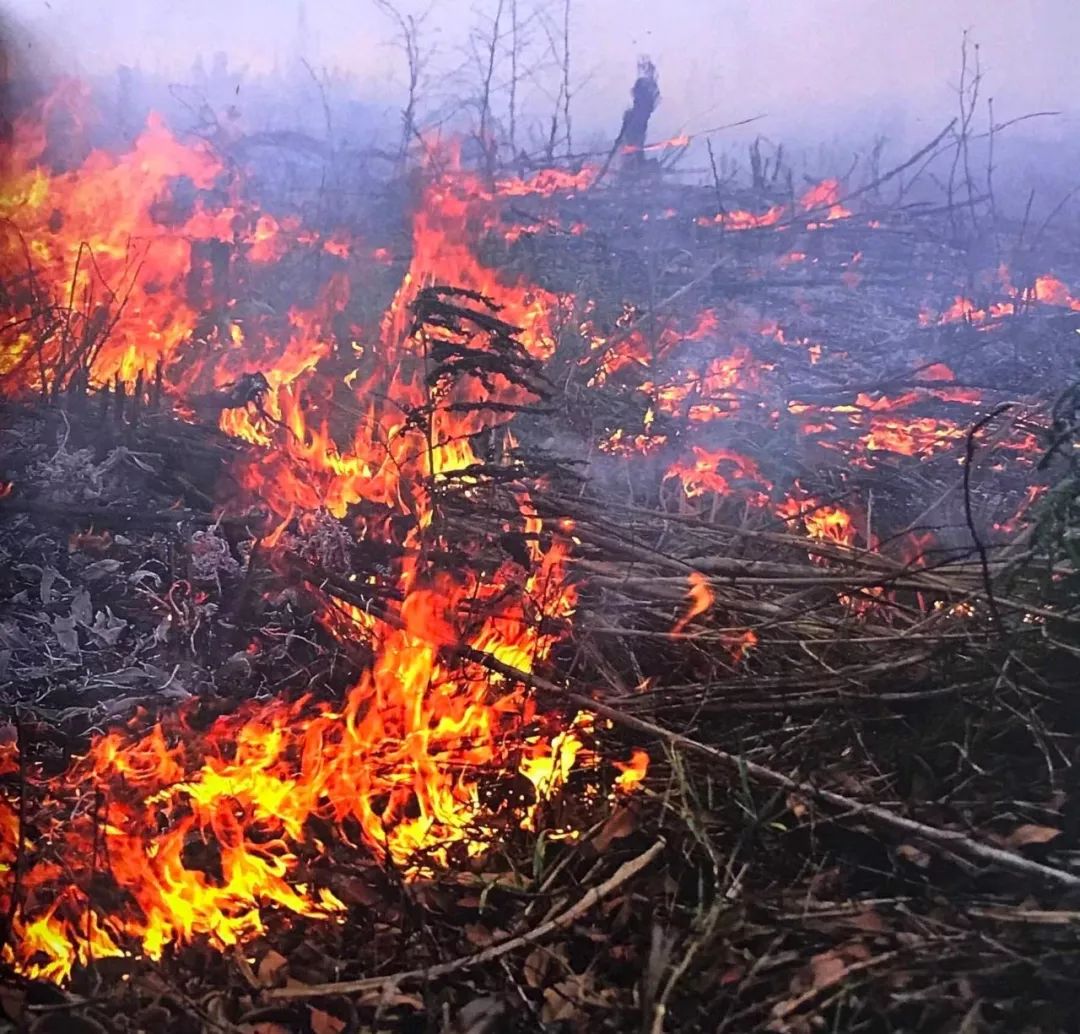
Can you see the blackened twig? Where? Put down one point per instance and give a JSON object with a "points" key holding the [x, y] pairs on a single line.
{"points": [[984, 560]]}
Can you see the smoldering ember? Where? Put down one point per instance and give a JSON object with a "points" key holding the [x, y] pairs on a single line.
{"points": [[470, 581]]}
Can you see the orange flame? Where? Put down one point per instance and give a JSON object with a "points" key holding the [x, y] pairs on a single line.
{"points": [[632, 773], [202, 829], [824, 195], [704, 474], [701, 598]]}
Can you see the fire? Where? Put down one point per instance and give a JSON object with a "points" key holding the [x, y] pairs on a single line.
{"points": [[824, 522], [544, 182], [1031, 495], [682, 140], [618, 443], [632, 773], [106, 245], [889, 426], [701, 598], [830, 522], [134, 250], [742, 645], [824, 195], [1051, 291], [721, 472], [632, 349], [1045, 289], [200, 830], [196, 829], [707, 394], [912, 436]]}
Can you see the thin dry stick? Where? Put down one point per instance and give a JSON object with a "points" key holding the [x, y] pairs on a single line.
{"points": [[943, 840], [594, 895], [785, 1009], [969, 517]]}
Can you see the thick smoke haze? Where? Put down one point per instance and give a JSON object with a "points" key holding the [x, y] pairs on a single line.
{"points": [[820, 72]]}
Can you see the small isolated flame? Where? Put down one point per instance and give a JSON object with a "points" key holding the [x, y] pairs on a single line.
{"points": [[823, 196], [700, 597], [742, 645], [631, 773], [824, 522]]}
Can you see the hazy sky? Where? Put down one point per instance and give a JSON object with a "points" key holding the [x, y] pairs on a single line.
{"points": [[803, 62]]}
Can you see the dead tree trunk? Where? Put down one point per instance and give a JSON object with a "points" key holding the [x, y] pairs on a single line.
{"points": [[645, 96]]}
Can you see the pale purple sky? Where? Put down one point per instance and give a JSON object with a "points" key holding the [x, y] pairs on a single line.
{"points": [[808, 64]]}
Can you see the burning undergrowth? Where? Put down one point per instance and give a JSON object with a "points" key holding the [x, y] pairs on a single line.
{"points": [[361, 587], [399, 764]]}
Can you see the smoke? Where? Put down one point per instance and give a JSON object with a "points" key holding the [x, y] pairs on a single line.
{"points": [[832, 71]]}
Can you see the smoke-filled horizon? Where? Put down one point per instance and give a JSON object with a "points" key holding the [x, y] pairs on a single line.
{"points": [[808, 68]]}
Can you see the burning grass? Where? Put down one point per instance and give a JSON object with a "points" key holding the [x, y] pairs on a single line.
{"points": [[359, 643]]}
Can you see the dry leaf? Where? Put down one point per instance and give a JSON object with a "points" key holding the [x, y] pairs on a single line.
{"points": [[557, 1006], [356, 891], [216, 1009], [270, 967], [64, 630], [325, 1023], [824, 884], [827, 968], [562, 1000], [13, 1002], [81, 608], [481, 1016], [65, 1024], [971, 1023], [868, 921], [48, 579], [621, 823], [1030, 834], [732, 975], [100, 569], [478, 935], [535, 967], [389, 998], [915, 855]]}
